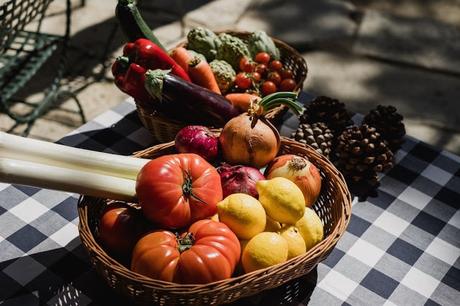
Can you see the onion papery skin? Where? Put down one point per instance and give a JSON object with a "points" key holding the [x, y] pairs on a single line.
{"points": [[199, 140], [239, 179], [300, 171], [249, 140]]}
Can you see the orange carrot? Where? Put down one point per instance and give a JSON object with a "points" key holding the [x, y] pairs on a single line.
{"points": [[201, 74], [182, 57], [242, 101]]}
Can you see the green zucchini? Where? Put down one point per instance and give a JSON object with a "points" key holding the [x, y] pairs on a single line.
{"points": [[132, 23]]}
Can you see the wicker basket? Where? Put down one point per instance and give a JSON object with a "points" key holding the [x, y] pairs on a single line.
{"points": [[333, 207], [164, 129]]}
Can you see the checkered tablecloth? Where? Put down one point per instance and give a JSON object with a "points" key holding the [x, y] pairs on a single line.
{"points": [[401, 247]]}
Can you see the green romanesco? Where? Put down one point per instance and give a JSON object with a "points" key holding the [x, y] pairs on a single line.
{"points": [[203, 41], [259, 41], [231, 50], [224, 74]]}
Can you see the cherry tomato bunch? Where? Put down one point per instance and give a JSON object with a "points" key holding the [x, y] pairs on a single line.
{"points": [[264, 75]]}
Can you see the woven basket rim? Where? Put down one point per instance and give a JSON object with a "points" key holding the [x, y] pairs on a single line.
{"points": [[319, 249]]}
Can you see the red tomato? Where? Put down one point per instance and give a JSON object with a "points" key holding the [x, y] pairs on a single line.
{"points": [[262, 69], [274, 77], [276, 65], [268, 87], [246, 65], [287, 85], [262, 58], [287, 74], [256, 76], [178, 189], [120, 226], [243, 80], [209, 252]]}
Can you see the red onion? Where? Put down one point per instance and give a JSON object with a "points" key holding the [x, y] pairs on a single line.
{"points": [[239, 179], [199, 140]]}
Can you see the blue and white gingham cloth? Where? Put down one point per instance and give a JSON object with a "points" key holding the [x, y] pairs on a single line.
{"points": [[401, 247]]}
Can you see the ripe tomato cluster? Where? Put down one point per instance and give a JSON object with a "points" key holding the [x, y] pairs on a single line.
{"points": [[264, 75]]}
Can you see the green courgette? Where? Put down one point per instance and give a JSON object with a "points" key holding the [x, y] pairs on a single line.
{"points": [[132, 23]]}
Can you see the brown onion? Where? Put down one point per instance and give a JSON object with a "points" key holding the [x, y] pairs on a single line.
{"points": [[249, 140], [299, 170]]}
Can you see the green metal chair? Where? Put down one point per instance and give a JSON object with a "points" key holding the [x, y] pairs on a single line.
{"points": [[22, 53]]}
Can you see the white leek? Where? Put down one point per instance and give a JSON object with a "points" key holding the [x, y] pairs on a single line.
{"points": [[52, 154], [64, 179]]}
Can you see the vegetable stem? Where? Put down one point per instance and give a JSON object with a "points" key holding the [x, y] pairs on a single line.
{"points": [[281, 98], [281, 94]]}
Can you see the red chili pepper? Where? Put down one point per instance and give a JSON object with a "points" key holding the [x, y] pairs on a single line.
{"points": [[130, 78], [138, 57]]}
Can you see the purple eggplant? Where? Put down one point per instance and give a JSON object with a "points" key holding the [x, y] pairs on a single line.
{"points": [[186, 101]]}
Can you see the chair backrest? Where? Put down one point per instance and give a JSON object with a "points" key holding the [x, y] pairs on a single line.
{"points": [[15, 15]]}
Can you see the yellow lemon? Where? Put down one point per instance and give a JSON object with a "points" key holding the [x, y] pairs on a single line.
{"points": [[282, 199], [311, 228], [243, 214], [215, 218], [272, 225], [296, 244], [264, 250]]}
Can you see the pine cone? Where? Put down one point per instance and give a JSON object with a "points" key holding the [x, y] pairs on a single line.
{"points": [[327, 110], [317, 135], [388, 123], [362, 153]]}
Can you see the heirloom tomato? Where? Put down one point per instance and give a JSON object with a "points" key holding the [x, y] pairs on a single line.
{"points": [[208, 252], [176, 190]]}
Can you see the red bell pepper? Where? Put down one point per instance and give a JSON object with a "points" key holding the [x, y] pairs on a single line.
{"points": [[138, 57]]}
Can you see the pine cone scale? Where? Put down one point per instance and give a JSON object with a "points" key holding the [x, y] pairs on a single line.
{"points": [[361, 152], [317, 135]]}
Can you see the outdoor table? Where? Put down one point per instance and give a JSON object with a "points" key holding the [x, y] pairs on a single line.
{"points": [[401, 247]]}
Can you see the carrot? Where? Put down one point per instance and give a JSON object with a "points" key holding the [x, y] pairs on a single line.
{"points": [[182, 57], [242, 101], [201, 74]]}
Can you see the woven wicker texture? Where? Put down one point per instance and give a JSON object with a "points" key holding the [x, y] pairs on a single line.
{"points": [[165, 129], [333, 207]]}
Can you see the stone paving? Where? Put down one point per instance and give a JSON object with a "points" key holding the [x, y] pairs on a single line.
{"points": [[363, 52]]}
